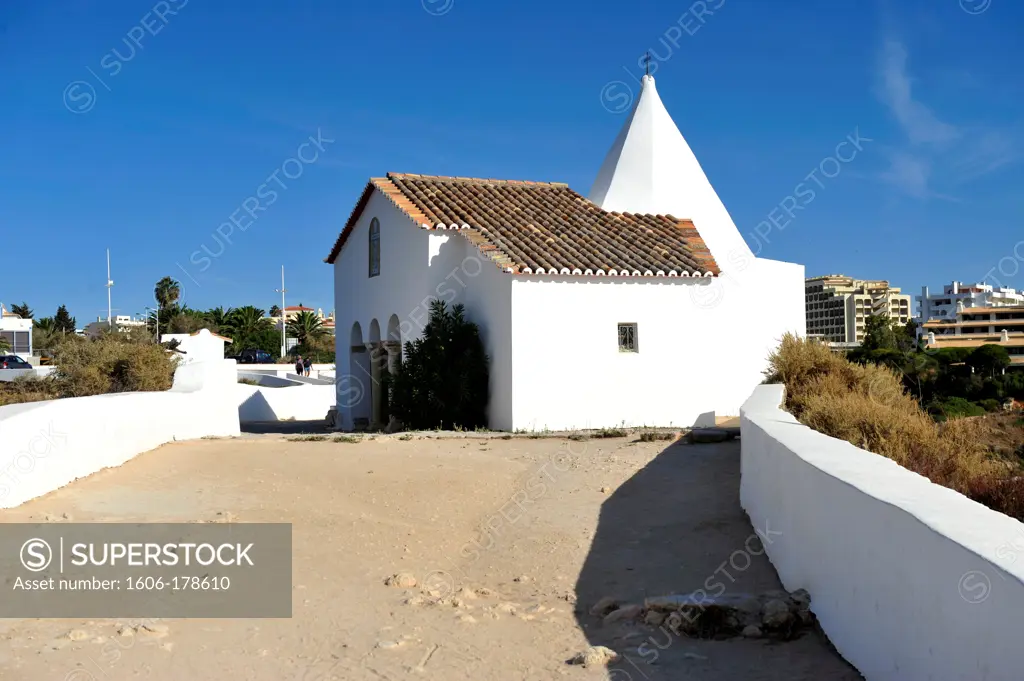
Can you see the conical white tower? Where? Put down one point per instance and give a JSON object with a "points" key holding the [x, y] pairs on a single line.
{"points": [[651, 169]]}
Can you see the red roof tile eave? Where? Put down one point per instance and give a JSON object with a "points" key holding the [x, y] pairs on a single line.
{"points": [[545, 228]]}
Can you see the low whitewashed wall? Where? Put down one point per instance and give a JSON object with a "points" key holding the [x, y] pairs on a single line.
{"points": [[283, 370], [270, 380], [38, 372], [299, 402], [46, 445], [910, 580]]}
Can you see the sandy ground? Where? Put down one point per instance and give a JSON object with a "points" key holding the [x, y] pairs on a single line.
{"points": [[506, 533]]}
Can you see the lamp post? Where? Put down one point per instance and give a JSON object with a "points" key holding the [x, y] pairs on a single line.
{"points": [[282, 291], [156, 320]]}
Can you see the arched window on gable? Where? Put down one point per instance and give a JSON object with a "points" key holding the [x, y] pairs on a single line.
{"points": [[374, 247]]}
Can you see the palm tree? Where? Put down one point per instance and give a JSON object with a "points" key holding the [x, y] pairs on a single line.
{"points": [[246, 321], [306, 326], [167, 292], [217, 318], [275, 311], [45, 334]]}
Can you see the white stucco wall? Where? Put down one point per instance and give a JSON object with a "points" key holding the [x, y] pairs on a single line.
{"points": [[417, 265], [201, 346], [703, 345], [299, 402], [46, 445], [910, 580], [285, 370]]}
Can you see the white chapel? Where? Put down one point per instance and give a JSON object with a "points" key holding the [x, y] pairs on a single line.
{"points": [[639, 304]]}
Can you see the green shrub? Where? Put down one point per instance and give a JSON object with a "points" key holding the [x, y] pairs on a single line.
{"points": [[443, 380], [991, 405], [654, 436], [955, 408]]}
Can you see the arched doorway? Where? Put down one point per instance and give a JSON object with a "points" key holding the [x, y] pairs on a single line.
{"points": [[356, 394]]}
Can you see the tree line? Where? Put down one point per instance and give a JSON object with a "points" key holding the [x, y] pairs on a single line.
{"points": [[948, 382], [247, 326]]}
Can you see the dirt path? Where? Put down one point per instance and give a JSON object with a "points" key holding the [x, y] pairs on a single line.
{"points": [[505, 533]]}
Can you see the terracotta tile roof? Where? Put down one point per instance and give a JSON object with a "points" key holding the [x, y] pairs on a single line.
{"points": [[543, 227]]}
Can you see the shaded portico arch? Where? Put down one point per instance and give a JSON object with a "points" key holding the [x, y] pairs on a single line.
{"points": [[357, 394]]}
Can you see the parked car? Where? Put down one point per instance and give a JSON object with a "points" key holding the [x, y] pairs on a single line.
{"points": [[253, 356], [13, 362]]}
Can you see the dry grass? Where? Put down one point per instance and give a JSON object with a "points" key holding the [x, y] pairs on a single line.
{"points": [[110, 364], [867, 406]]}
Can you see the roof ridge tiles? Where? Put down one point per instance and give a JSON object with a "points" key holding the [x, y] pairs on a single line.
{"points": [[522, 224]]}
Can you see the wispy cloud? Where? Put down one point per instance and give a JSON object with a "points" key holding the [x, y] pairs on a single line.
{"points": [[961, 153], [919, 122]]}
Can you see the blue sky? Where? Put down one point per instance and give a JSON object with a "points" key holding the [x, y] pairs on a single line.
{"points": [[144, 126]]}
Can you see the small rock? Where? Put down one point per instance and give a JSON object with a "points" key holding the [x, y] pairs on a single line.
{"points": [[605, 490], [604, 606], [801, 598], [521, 578], [751, 631], [465, 593], [401, 580], [507, 608], [77, 635], [125, 632], [168, 647], [466, 618], [674, 621], [388, 645], [415, 601], [654, 618], [626, 612], [694, 656], [595, 656], [775, 613]]}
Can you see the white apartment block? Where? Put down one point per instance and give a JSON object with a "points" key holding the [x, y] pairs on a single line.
{"points": [[837, 306], [122, 322], [964, 296], [17, 332]]}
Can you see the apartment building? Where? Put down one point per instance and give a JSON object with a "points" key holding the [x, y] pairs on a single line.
{"points": [[292, 310], [17, 332], [837, 306], [972, 327], [944, 305], [121, 322]]}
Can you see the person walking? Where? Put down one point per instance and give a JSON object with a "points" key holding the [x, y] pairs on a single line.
{"points": [[307, 364], [298, 365]]}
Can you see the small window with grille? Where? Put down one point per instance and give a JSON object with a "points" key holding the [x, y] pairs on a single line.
{"points": [[627, 338]]}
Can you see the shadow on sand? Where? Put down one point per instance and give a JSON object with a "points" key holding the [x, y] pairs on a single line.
{"points": [[676, 527], [316, 427]]}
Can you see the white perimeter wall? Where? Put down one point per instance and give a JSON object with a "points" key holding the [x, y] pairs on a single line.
{"points": [[299, 402], [417, 265], [703, 345], [46, 445], [910, 580]]}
